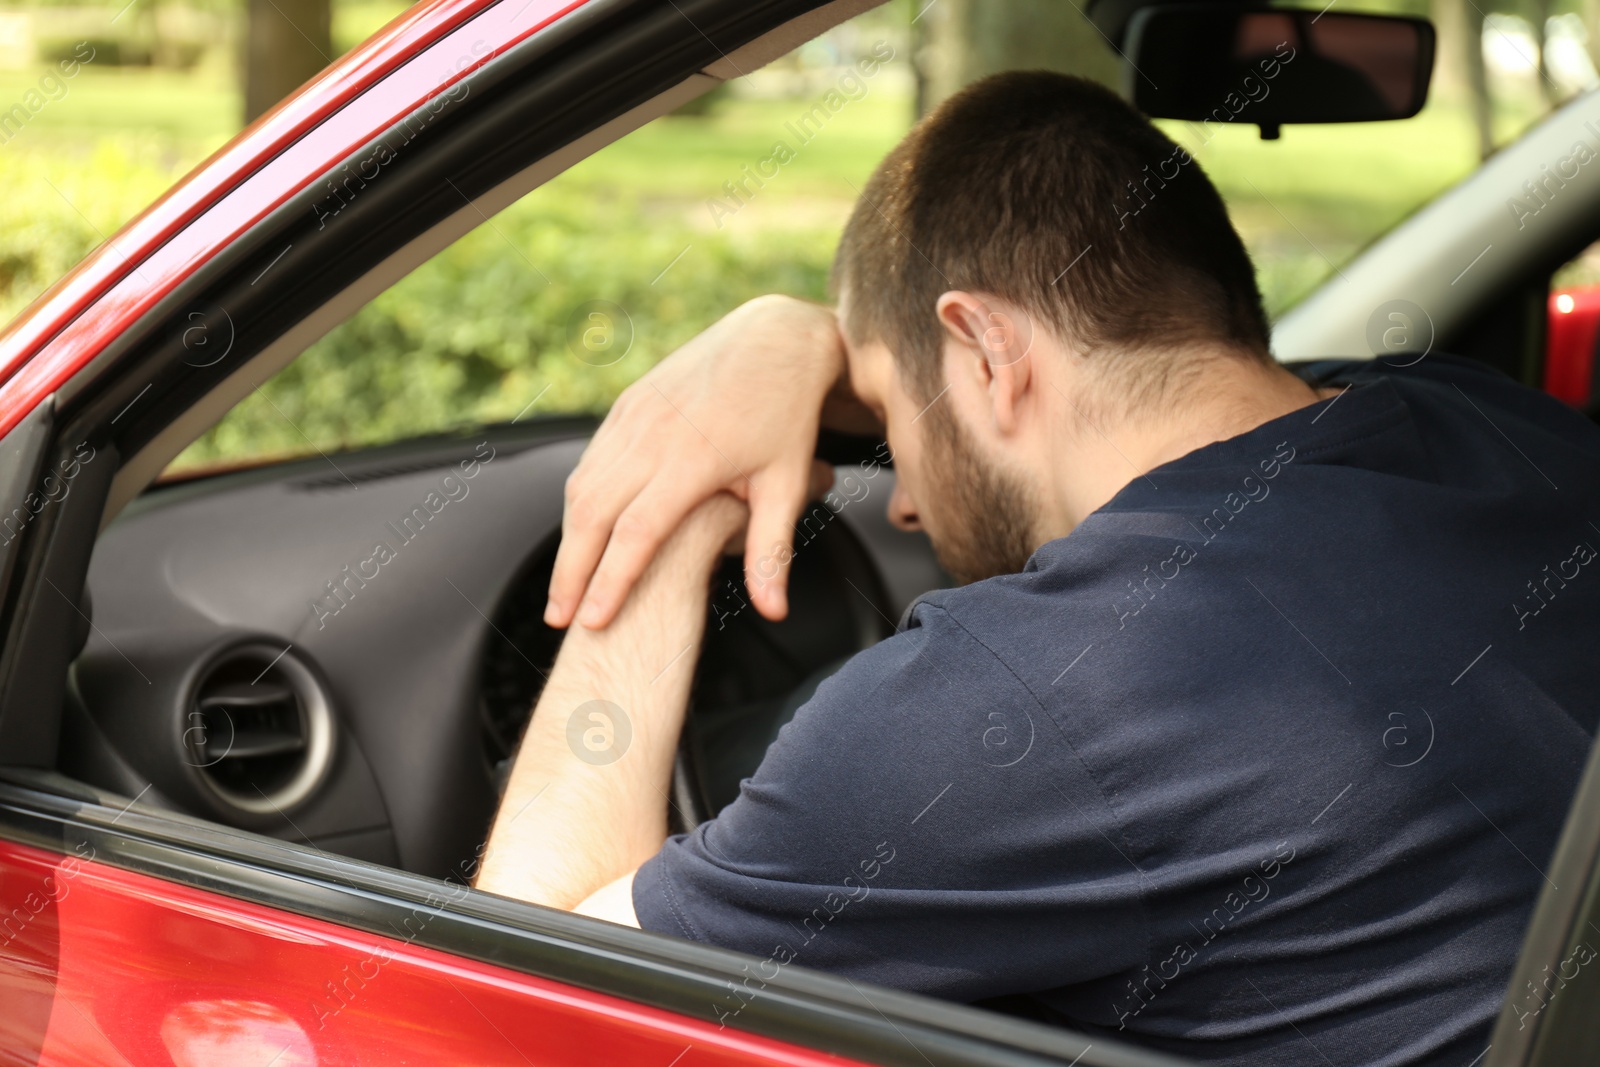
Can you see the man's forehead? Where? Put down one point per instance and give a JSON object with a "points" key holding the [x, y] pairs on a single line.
{"points": [[870, 364], [871, 369]]}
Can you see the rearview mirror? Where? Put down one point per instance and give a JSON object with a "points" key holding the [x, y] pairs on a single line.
{"points": [[1217, 63]]}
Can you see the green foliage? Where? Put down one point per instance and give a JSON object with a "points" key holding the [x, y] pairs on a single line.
{"points": [[493, 328], [54, 208]]}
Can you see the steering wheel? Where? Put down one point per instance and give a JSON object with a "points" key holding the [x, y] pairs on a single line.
{"points": [[751, 677], [754, 674]]}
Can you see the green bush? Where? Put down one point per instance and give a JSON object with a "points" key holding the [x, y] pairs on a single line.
{"points": [[55, 207], [108, 51]]}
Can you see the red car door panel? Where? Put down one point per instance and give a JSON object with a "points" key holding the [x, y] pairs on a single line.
{"points": [[100, 965]]}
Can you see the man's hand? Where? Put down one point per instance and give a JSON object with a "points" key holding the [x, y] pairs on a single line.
{"points": [[587, 799], [735, 410]]}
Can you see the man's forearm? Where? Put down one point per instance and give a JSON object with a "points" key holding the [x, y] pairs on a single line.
{"points": [[586, 802]]}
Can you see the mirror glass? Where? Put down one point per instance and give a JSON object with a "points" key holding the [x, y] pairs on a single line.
{"points": [[1269, 67]]}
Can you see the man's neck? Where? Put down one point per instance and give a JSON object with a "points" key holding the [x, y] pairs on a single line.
{"points": [[1102, 456]]}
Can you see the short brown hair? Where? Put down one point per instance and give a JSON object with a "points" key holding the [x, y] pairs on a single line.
{"points": [[1050, 192]]}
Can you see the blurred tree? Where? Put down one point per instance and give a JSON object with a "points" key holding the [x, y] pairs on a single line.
{"points": [[1458, 71], [1540, 17], [960, 41], [286, 42], [1591, 19]]}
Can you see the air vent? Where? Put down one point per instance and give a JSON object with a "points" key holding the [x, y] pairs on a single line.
{"points": [[258, 729]]}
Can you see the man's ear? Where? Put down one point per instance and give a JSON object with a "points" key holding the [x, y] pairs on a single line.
{"points": [[994, 341]]}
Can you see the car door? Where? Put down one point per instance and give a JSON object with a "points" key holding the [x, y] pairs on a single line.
{"points": [[136, 939], [132, 934], [144, 938]]}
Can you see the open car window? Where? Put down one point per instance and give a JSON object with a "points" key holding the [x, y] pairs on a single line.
{"points": [[561, 300]]}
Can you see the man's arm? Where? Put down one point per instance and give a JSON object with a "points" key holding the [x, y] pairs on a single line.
{"points": [[587, 799]]}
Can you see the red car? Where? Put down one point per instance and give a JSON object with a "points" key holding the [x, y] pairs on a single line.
{"points": [[230, 834]]}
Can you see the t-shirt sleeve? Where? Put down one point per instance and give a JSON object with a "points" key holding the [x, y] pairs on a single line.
{"points": [[920, 824]]}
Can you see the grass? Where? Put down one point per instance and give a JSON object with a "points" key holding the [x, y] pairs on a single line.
{"points": [[487, 328], [180, 111], [1314, 198]]}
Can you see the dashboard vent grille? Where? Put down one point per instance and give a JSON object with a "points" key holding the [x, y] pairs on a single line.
{"points": [[351, 479], [520, 652], [258, 729]]}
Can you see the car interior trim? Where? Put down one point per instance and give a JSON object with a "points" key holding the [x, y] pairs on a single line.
{"points": [[43, 617], [1562, 1030], [21, 456], [1429, 259]]}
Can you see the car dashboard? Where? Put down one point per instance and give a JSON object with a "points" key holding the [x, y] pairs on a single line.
{"points": [[343, 650]]}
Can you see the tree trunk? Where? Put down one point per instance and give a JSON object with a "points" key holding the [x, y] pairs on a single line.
{"points": [[968, 39], [1459, 75], [1541, 19], [922, 56], [1478, 79], [286, 43], [1591, 21]]}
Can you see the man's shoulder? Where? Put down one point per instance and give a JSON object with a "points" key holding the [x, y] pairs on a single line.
{"points": [[1106, 553], [1032, 624], [1451, 379]]}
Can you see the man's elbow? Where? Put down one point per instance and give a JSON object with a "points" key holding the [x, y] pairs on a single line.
{"points": [[613, 903]]}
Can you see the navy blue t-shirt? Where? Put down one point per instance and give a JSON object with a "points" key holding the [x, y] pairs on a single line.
{"points": [[1262, 763]]}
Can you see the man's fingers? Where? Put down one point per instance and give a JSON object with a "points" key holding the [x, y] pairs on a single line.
{"points": [[822, 478], [596, 494], [612, 472], [775, 501], [641, 529], [576, 559]]}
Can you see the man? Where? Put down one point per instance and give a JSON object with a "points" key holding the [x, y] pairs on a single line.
{"points": [[1258, 717]]}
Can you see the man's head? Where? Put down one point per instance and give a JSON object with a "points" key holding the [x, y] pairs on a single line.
{"points": [[1035, 265]]}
